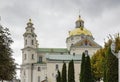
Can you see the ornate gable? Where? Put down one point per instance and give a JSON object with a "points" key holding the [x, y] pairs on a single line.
{"points": [[86, 42]]}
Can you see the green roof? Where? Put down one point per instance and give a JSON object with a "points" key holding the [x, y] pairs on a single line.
{"points": [[52, 50], [66, 57]]}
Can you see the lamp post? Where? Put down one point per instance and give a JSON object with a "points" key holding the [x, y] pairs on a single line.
{"points": [[118, 56]]}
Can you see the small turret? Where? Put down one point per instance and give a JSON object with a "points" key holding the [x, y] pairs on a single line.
{"points": [[80, 23], [30, 36]]}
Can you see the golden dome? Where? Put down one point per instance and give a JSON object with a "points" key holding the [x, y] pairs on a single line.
{"points": [[79, 31], [80, 28]]}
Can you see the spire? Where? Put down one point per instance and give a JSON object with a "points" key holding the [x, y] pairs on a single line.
{"points": [[79, 17], [30, 20], [30, 23], [79, 14]]}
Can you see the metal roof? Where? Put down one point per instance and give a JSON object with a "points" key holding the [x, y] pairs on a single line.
{"points": [[53, 50], [66, 57]]}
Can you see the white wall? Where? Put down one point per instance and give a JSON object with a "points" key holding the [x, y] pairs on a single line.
{"points": [[51, 70]]}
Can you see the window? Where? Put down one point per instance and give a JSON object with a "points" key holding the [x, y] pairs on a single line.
{"points": [[61, 53], [52, 74], [39, 69], [72, 38], [32, 56], [86, 52], [82, 24], [24, 56], [86, 42], [32, 42], [71, 44], [32, 35], [40, 59], [73, 54], [29, 36], [38, 78], [57, 67], [25, 42], [24, 73], [82, 36]]}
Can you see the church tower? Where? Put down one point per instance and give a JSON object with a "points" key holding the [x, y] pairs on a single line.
{"points": [[30, 36], [30, 44], [80, 39], [29, 53]]}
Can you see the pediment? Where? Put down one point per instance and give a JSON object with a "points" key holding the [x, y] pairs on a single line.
{"points": [[86, 43]]}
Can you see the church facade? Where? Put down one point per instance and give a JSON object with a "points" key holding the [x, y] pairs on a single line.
{"points": [[42, 64]]}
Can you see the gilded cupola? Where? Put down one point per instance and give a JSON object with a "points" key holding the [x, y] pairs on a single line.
{"points": [[79, 28]]}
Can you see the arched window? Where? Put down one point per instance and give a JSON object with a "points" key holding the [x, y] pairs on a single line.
{"points": [[24, 56], [57, 67], [72, 38], [39, 69], [72, 44], [40, 59], [32, 56], [86, 42], [86, 52], [73, 54], [24, 73], [25, 42], [32, 42]]}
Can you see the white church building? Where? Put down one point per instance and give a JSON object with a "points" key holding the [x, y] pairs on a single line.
{"points": [[41, 64]]}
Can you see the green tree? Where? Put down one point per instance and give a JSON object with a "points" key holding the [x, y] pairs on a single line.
{"points": [[82, 68], [58, 79], [112, 67], [71, 77], [7, 65], [87, 71], [64, 78]]}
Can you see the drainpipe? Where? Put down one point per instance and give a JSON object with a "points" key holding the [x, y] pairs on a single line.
{"points": [[32, 72]]}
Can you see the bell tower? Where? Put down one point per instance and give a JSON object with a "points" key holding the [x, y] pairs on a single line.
{"points": [[29, 54], [30, 36]]}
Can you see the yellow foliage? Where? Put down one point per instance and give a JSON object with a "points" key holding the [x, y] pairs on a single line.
{"points": [[99, 58]]}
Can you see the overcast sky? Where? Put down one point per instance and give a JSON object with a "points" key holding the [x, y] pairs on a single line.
{"points": [[54, 18]]}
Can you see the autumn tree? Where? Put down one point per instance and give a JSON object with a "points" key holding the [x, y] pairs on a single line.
{"points": [[7, 65], [104, 63], [97, 63]]}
